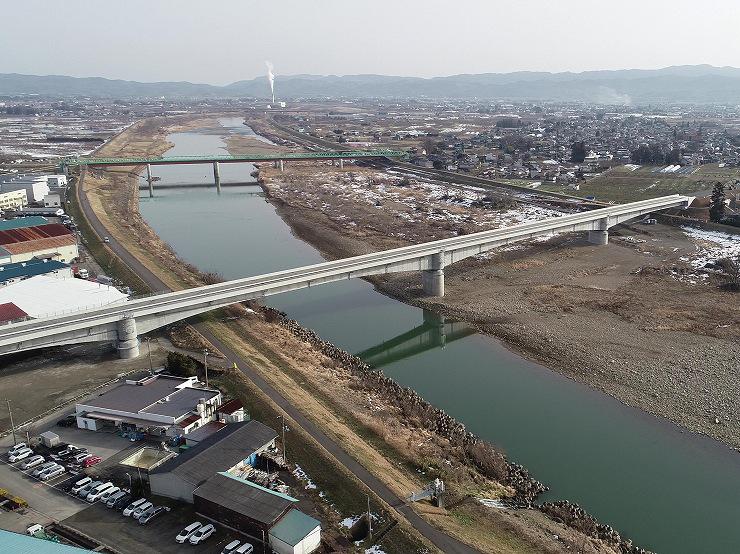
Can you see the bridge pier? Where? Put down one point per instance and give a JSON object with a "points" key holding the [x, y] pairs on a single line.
{"points": [[598, 237], [282, 166], [149, 180], [433, 280], [128, 339], [217, 177], [341, 163]]}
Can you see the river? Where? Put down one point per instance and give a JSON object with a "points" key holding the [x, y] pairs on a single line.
{"points": [[667, 489]]}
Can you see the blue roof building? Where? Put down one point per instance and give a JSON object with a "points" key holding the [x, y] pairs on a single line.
{"points": [[23, 270], [24, 544], [21, 222]]}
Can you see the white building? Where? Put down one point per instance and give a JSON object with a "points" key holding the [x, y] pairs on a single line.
{"points": [[36, 186], [157, 405], [13, 200], [56, 181], [52, 200]]}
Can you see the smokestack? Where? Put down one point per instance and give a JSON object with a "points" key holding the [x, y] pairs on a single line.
{"points": [[271, 78]]}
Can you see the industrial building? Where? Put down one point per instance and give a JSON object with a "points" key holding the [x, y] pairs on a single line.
{"points": [[21, 243], [156, 405], [229, 449], [12, 273], [13, 200], [43, 295], [266, 515], [36, 186], [16, 543]]}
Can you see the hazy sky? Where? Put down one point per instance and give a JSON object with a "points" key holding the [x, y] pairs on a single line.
{"points": [[221, 41]]}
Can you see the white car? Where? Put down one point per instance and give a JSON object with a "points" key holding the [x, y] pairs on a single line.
{"points": [[246, 548], [53, 472], [231, 547], [98, 491], [43, 467], [17, 447], [108, 492], [81, 484], [131, 507], [136, 514], [36, 460], [189, 530], [202, 534], [84, 491], [19, 455]]}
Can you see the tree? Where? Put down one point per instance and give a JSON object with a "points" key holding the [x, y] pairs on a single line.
{"points": [[429, 146], [181, 365], [717, 202], [731, 268], [578, 152]]}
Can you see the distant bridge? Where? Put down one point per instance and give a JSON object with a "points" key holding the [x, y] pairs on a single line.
{"points": [[124, 322], [278, 158]]}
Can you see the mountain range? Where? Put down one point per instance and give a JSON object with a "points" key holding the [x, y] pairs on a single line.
{"points": [[701, 84]]}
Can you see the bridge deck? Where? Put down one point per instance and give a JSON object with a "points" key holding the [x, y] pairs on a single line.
{"points": [[276, 156]]}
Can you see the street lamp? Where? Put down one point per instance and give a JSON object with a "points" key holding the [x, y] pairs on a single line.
{"points": [[12, 427], [130, 488], [149, 346], [205, 363]]}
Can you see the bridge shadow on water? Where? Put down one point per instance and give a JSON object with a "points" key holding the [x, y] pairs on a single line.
{"points": [[434, 332]]}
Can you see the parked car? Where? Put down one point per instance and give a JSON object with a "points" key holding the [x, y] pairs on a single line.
{"points": [[43, 467], [113, 497], [202, 534], [133, 506], [136, 514], [231, 547], [91, 461], [52, 472], [159, 510], [34, 461], [95, 494], [69, 421], [68, 451], [107, 493], [16, 448], [81, 484], [106, 240], [19, 455], [79, 457], [246, 548], [84, 491], [121, 502], [189, 530]]}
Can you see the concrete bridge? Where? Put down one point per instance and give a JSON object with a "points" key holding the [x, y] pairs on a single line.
{"points": [[435, 332], [123, 323]]}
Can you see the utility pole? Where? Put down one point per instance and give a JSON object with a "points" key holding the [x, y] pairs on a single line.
{"points": [[12, 427], [369, 519], [281, 417], [205, 363], [149, 346]]}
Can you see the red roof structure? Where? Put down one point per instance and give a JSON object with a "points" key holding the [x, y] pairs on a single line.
{"points": [[11, 312]]}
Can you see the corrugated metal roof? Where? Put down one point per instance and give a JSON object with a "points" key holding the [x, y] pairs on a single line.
{"points": [[220, 451], [38, 245], [29, 269], [11, 312], [24, 234], [16, 543], [294, 527], [31, 221], [245, 498]]}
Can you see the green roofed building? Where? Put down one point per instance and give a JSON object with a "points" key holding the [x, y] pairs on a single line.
{"points": [[16, 543], [295, 533], [22, 222]]}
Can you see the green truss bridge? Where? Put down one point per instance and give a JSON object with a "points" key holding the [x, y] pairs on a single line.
{"points": [[271, 157]]}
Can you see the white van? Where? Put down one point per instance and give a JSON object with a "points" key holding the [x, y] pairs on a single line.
{"points": [[18, 447], [246, 548], [36, 460], [81, 484], [189, 530], [106, 494], [19, 455], [84, 491]]}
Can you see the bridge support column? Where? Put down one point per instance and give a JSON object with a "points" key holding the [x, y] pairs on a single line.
{"points": [[598, 237], [217, 177], [341, 163], [433, 280], [436, 323], [128, 339], [282, 166], [149, 180]]}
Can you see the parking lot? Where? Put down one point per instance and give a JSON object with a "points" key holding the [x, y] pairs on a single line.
{"points": [[51, 500]]}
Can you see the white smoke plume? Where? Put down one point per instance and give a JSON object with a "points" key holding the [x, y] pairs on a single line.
{"points": [[271, 78]]}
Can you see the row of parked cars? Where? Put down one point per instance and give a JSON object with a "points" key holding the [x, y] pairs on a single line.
{"points": [[43, 469]]}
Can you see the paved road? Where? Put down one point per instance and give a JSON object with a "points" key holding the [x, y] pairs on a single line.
{"points": [[443, 541]]}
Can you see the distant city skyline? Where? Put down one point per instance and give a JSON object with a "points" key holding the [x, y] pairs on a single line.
{"points": [[227, 41]]}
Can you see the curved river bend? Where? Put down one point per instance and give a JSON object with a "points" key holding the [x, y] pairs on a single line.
{"points": [[668, 490]]}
